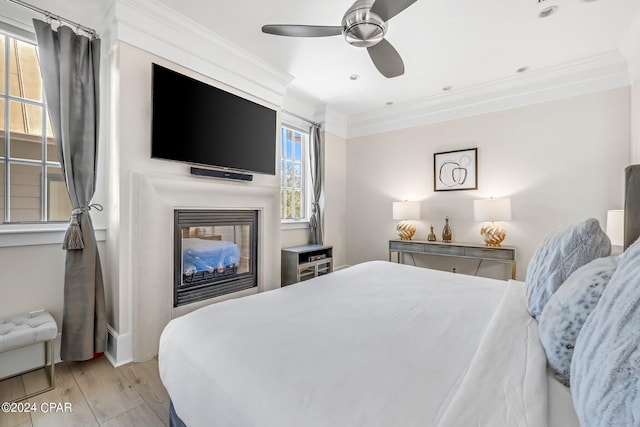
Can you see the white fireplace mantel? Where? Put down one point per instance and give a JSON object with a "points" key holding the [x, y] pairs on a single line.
{"points": [[154, 199]]}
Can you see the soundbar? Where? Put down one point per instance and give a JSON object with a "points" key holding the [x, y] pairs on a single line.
{"points": [[221, 174]]}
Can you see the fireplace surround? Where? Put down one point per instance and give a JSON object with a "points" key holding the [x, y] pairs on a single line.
{"points": [[146, 289]]}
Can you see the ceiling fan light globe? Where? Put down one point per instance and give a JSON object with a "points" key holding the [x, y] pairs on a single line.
{"points": [[364, 35], [363, 28]]}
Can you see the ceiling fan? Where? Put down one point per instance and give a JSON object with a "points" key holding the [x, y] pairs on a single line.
{"points": [[363, 25]]}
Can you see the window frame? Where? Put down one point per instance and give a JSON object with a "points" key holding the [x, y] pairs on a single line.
{"points": [[11, 33], [303, 222]]}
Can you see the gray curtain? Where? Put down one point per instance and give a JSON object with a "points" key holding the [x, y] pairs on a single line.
{"points": [[69, 64], [316, 163]]}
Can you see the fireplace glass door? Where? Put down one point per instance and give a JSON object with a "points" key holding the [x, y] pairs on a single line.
{"points": [[215, 253]]}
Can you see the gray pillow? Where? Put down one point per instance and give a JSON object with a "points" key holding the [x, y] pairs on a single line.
{"points": [[559, 255], [605, 370], [568, 308]]}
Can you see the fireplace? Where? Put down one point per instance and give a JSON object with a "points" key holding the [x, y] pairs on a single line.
{"points": [[215, 253]]}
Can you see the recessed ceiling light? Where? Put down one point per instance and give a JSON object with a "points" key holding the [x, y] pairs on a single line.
{"points": [[446, 88], [523, 69], [547, 11], [388, 103], [354, 76]]}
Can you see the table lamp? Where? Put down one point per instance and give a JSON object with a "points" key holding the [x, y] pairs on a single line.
{"points": [[492, 210], [615, 227], [406, 211]]}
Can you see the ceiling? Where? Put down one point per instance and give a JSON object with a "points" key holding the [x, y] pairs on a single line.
{"points": [[455, 43], [461, 44]]}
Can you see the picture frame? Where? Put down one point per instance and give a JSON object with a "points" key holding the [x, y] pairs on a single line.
{"points": [[455, 170]]}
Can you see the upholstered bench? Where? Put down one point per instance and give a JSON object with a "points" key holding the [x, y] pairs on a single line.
{"points": [[28, 329]]}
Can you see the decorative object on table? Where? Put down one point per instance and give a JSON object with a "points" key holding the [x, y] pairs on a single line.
{"points": [[492, 210], [631, 204], [406, 211], [431, 237], [455, 170], [446, 231], [615, 229]]}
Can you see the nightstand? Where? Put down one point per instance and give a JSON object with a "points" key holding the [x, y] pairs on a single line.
{"points": [[305, 262]]}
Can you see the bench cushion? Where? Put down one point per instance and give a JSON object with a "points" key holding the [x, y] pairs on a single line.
{"points": [[24, 329]]}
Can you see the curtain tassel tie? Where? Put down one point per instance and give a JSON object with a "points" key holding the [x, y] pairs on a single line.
{"points": [[315, 209], [73, 236]]}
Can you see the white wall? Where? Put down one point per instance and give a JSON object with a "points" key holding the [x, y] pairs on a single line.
{"points": [[335, 198], [635, 122], [33, 278], [559, 162]]}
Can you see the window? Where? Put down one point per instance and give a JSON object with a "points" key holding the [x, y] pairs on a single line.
{"points": [[294, 199], [31, 182]]}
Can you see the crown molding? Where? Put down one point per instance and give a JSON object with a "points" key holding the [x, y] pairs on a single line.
{"points": [[160, 30], [630, 47], [601, 72]]}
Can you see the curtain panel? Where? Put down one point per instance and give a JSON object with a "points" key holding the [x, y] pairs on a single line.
{"points": [[317, 168], [70, 64]]}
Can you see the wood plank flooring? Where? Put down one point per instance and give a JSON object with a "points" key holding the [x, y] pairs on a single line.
{"points": [[96, 393]]}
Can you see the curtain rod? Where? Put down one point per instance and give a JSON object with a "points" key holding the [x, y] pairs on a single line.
{"points": [[299, 117], [50, 15]]}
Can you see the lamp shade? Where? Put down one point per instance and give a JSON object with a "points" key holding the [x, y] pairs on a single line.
{"points": [[406, 210], [615, 227], [492, 209]]}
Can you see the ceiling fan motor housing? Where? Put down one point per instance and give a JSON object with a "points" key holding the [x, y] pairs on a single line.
{"points": [[363, 28]]}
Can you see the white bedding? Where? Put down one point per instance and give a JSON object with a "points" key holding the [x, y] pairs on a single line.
{"points": [[376, 344]]}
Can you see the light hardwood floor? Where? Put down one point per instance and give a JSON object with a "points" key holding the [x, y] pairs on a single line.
{"points": [[97, 394]]}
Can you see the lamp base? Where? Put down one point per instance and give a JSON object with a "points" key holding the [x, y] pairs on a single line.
{"points": [[493, 233], [405, 230]]}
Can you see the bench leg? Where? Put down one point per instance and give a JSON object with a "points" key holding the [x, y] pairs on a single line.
{"points": [[49, 354], [52, 366]]}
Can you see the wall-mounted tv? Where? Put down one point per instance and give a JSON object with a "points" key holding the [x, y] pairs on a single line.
{"points": [[197, 123]]}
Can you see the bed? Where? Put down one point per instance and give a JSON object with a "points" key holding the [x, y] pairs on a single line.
{"points": [[384, 344], [375, 344], [204, 258]]}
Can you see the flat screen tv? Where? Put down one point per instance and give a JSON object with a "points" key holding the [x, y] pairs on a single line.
{"points": [[197, 123]]}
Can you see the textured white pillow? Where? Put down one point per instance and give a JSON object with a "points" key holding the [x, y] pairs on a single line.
{"points": [[605, 370], [567, 310], [559, 255]]}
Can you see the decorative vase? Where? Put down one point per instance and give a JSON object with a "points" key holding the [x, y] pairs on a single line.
{"points": [[432, 236], [446, 231]]}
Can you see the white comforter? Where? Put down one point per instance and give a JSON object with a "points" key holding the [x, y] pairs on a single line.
{"points": [[376, 344]]}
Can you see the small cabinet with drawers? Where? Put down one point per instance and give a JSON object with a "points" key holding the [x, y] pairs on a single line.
{"points": [[305, 262]]}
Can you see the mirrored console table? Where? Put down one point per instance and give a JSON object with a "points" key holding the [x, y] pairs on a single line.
{"points": [[504, 254]]}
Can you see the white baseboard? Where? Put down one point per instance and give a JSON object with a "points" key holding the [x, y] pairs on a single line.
{"points": [[119, 347], [340, 267], [119, 352]]}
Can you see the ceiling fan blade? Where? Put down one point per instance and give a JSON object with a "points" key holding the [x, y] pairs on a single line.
{"points": [[387, 9], [302, 30], [386, 59]]}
